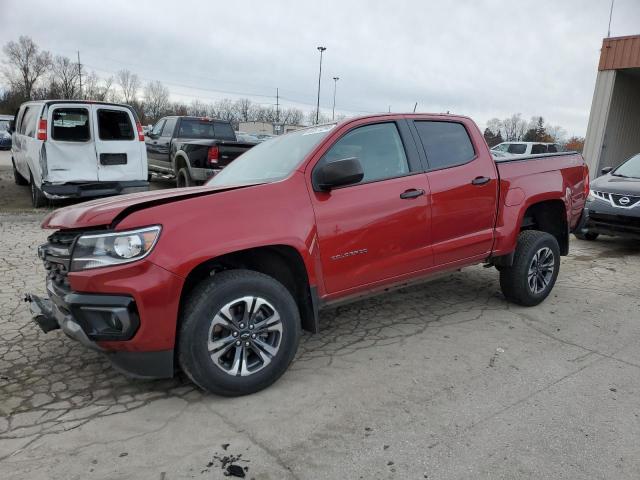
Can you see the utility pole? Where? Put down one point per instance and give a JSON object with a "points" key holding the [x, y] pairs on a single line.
{"points": [[335, 86], [80, 73], [610, 15], [277, 106], [321, 50], [414, 107]]}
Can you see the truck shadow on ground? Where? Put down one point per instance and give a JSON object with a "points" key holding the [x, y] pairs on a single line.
{"points": [[54, 384]]}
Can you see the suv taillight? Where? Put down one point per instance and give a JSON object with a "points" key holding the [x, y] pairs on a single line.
{"points": [[212, 155], [42, 130], [140, 132]]}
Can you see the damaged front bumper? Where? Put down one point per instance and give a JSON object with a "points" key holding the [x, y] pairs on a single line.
{"points": [[92, 318]]}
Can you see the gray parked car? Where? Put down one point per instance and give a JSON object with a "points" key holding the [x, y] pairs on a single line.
{"points": [[613, 205]]}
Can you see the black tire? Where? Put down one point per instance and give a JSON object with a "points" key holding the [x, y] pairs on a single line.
{"points": [[183, 179], [38, 200], [515, 280], [17, 178], [589, 236], [198, 318]]}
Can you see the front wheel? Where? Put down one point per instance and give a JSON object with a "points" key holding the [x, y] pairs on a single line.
{"points": [[240, 331], [534, 271]]}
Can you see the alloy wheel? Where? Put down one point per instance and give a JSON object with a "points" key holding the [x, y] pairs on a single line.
{"points": [[541, 270], [244, 336]]}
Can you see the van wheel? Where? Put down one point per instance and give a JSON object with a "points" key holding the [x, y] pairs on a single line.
{"points": [[590, 236], [239, 332], [17, 178], [534, 271], [183, 179], [38, 199]]}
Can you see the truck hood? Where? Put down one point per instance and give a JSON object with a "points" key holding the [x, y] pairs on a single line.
{"points": [[109, 211]]}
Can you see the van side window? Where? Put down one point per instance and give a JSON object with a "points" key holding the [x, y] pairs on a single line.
{"points": [[28, 122], [114, 125], [379, 149], [71, 125], [553, 148], [447, 144]]}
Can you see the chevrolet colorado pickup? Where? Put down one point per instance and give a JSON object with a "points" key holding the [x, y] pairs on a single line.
{"points": [[192, 149], [319, 216]]}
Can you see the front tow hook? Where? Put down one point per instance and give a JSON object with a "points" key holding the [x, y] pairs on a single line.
{"points": [[42, 312]]}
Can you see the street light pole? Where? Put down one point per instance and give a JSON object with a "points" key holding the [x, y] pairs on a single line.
{"points": [[335, 86], [320, 49]]}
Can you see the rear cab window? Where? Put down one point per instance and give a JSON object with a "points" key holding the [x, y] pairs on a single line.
{"points": [[115, 125], [446, 144], [70, 124], [204, 128]]}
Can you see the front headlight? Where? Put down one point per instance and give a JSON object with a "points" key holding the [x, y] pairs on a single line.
{"points": [[591, 197], [114, 248]]}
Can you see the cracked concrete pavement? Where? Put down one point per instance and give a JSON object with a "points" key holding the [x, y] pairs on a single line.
{"points": [[442, 381]]}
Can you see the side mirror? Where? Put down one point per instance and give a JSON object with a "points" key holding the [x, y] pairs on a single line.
{"points": [[338, 173], [606, 170]]}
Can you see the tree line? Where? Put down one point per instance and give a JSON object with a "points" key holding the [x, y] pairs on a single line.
{"points": [[516, 129], [34, 74]]}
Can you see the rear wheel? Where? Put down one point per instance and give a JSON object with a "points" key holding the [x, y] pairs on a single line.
{"points": [[17, 177], [38, 199], [183, 179], [534, 271], [590, 236], [240, 331]]}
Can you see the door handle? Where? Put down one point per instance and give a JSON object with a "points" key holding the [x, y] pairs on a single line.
{"points": [[411, 193], [480, 181]]}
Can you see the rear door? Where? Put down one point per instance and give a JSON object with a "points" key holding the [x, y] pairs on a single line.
{"points": [[464, 190], [121, 155], [71, 154]]}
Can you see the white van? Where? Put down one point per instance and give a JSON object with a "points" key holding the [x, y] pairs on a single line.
{"points": [[78, 149], [526, 148]]}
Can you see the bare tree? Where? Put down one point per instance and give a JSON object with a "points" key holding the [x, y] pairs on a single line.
{"points": [[557, 133], [129, 84], [197, 108], [494, 125], [25, 64], [97, 89], [514, 128], [156, 100], [65, 77]]}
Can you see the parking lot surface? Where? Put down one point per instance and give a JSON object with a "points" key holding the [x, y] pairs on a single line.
{"points": [[442, 381]]}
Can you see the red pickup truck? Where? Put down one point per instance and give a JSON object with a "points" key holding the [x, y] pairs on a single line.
{"points": [[220, 279]]}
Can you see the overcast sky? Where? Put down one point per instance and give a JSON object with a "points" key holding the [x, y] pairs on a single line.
{"points": [[482, 58]]}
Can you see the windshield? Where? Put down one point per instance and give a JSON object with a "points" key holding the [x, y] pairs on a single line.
{"points": [[630, 168], [273, 160], [4, 125]]}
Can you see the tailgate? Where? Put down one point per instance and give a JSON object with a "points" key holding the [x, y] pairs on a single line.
{"points": [[229, 151]]}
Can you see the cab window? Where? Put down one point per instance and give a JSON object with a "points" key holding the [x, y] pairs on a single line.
{"points": [[379, 149]]}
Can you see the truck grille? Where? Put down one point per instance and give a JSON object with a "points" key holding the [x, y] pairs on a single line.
{"points": [[56, 256]]}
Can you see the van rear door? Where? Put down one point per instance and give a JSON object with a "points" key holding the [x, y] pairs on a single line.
{"points": [[70, 153], [121, 155]]}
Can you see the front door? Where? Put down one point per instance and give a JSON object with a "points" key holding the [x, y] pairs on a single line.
{"points": [[377, 229]]}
